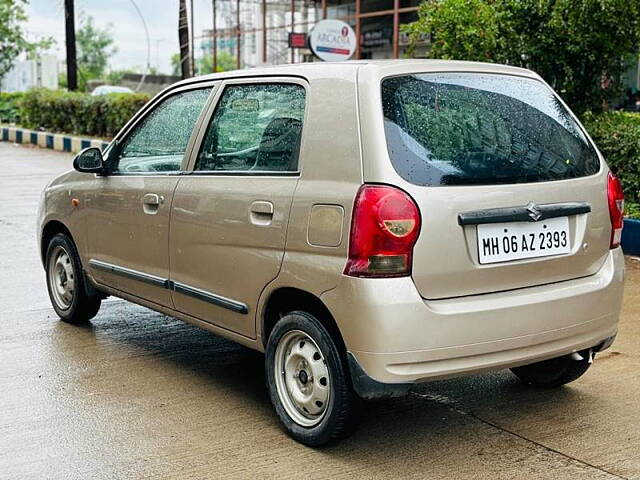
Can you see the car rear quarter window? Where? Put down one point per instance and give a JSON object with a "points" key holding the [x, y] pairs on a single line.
{"points": [[481, 129]]}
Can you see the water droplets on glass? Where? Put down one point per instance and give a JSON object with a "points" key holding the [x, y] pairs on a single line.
{"points": [[255, 128], [160, 141], [470, 128]]}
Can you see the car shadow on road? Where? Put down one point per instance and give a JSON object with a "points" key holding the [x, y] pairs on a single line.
{"points": [[442, 417], [122, 330]]}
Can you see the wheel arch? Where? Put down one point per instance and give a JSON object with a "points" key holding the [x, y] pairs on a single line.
{"points": [[288, 299], [51, 229]]}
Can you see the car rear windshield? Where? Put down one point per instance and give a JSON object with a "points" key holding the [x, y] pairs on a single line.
{"points": [[481, 129]]}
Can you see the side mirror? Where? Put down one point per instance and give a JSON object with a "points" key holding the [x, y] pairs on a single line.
{"points": [[89, 160]]}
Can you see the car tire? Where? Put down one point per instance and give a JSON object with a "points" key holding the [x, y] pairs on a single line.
{"points": [[556, 371], [66, 282], [309, 382]]}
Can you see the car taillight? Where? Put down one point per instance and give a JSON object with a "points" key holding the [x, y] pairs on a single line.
{"points": [[615, 197], [384, 228]]}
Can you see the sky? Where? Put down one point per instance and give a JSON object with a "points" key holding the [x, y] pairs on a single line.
{"points": [[46, 18]]}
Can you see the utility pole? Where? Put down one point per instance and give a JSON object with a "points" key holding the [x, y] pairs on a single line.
{"points": [[264, 33], [183, 40], [192, 42], [293, 26], [214, 38], [358, 31], [70, 33], [238, 35], [396, 28]]}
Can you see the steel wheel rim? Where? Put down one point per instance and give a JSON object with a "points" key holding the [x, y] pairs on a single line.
{"points": [[61, 278], [302, 378]]}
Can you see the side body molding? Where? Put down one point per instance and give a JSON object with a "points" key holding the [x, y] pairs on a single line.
{"points": [[203, 295]]}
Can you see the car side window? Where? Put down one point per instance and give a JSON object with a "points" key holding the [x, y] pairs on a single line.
{"points": [[255, 128], [159, 142]]}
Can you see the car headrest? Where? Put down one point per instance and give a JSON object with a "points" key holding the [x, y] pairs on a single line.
{"points": [[280, 144]]}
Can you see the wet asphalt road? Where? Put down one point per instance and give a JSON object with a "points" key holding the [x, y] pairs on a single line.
{"points": [[136, 394]]}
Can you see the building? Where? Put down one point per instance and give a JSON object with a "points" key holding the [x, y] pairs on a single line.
{"points": [[256, 32], [26, 74]]}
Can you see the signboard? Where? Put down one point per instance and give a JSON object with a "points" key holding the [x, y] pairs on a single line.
{"points": [[332, 40], [377, 38], [297, 40]]}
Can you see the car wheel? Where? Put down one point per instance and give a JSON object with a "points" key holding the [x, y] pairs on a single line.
{"points": [[308, 381], [556, 371], [65, 282]]}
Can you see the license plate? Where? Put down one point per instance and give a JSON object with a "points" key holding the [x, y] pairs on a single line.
{"points": [[503, 242]]}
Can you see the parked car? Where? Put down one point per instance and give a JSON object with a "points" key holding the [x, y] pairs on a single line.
{"points": [[370, 226], [106, 89]]}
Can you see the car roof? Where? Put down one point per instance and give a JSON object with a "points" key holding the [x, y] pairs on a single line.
{"points": [[312, 70]]}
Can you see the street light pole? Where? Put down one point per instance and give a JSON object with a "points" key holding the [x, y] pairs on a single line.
{"points": [[70, 34], [146, 32]]}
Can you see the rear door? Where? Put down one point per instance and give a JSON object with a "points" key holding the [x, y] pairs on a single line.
{"points": [[511, 191], [230, 214]]}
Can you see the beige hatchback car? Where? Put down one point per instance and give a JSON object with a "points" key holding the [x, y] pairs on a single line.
{"points": [[368, 225]]}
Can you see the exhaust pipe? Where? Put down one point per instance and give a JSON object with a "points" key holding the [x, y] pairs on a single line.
{"points": [[583, 355]]}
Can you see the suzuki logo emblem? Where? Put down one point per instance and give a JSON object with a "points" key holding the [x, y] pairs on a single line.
{"points": [[534, 212]]}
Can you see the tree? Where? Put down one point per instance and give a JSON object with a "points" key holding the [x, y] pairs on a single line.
{"points": [[12, 37], [581, 47], [95, 46], [226, 62], [467, 29], [114, 77], [175, 65]]}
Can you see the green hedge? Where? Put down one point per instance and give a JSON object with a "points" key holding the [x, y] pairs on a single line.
{"points": [[617, 135], [10, 107], [79, 113]]}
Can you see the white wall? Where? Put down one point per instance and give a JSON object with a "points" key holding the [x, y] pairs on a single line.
{"points": [[26, 74]]}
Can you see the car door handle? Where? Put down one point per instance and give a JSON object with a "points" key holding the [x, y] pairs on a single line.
{"points": [[262, 207], [151, 203], [261, 212], [152, 199]]}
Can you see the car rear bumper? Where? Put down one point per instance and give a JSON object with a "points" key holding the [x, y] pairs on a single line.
{"points": [[396, 337], [369, 388]]}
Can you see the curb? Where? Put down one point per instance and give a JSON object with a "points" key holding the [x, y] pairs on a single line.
{"points": [[631, 237], [54, 141]]}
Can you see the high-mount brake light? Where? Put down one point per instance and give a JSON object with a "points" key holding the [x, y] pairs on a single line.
{"points": [[384, 228]]}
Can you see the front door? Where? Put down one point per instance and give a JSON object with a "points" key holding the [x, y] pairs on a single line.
{"points": [[128, 217], [229, 217]]}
